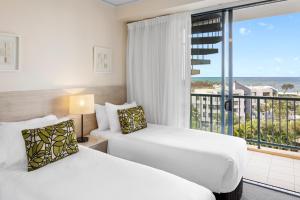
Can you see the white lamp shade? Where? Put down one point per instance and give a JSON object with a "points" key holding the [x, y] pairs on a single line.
{"points": [[82, 104]]}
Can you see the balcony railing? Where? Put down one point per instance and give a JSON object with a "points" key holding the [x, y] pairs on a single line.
{"points": [[263, 121]]}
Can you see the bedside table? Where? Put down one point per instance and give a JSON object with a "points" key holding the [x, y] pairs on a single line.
{"points": [[97, 143]]}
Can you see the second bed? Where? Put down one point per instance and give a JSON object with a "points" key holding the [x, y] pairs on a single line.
{"points": [[212, 160]]}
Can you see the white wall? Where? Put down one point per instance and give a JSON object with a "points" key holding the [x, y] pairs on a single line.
{"points": [[57, 39]]}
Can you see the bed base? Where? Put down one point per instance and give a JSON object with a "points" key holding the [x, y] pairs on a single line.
{"points": [[234, 195]]}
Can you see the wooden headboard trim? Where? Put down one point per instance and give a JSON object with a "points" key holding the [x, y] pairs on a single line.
{"points": [[24, 105]]}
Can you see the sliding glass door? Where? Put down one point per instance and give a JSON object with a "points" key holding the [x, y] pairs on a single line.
{"points": [[253, 93], [211, 99]]}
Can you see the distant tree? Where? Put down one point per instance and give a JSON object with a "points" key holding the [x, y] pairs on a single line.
{"points": [[287, 86]]}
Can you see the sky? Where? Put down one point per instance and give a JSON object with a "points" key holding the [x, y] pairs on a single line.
{"points": [[265, 47]]}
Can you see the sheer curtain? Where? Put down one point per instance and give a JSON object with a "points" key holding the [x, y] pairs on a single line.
{"points": [[158, 68]]}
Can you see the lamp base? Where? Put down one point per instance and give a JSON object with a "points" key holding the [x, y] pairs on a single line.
{"points": [[82, 139]]}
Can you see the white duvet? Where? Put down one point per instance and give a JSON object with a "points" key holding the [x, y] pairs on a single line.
{"points": [[92, 175], [212, 160]]}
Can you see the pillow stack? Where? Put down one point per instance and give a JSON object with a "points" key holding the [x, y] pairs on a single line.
{"points": [[112, 113], [42, 145], [13, 154], [107, 116], [126, 118]]}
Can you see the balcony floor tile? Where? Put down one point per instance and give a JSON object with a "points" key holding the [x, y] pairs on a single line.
{"points": [[297, 181], [273, 170], [282, 170], [281, 183]]}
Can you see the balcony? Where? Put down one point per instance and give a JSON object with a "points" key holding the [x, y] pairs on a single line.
{"points": [[271, 127]]}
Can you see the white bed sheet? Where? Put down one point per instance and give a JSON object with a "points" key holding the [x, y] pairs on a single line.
{"points": [[93, 175], [212, 160]]}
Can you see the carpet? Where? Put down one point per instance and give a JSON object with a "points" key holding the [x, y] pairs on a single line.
{"points": [[254, 192]]}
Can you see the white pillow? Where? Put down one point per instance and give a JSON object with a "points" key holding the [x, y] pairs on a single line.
{"points": [[112, 113], [63, 119], [35, 120], [102, 118], [12, 145]]}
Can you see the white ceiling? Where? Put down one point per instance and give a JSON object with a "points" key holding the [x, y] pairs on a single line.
{"points": [[119, 2], [144, 9]]}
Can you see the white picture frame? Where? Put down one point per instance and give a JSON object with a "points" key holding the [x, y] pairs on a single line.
{"points": [[102, 60], [9, 52]]}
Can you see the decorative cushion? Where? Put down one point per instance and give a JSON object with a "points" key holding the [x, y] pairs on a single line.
{"points": [[49, 144], [132, 119]]}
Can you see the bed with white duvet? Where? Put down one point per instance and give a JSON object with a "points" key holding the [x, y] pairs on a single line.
{"points": [[92, 175], [212, 160], [87, 174]]}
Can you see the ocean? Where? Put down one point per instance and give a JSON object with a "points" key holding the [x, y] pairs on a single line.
{"points": [[275, 82]]}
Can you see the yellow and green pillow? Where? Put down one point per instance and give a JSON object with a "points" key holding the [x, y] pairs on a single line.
{"points": [[49, 144], [132, 119]]}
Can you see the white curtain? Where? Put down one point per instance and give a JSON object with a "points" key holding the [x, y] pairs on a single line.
{"points": [[158, 68]]}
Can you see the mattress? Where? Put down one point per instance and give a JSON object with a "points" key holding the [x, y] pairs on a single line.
{"points": [[92, 175], [212, 160]]}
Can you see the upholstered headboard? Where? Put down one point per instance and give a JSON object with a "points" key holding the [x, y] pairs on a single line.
{"points": [[23, 105]]}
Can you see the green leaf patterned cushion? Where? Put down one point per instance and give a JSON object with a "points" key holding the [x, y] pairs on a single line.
{"points": [[132, 119], [49, 144]]}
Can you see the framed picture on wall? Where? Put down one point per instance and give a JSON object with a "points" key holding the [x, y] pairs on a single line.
{"points": [[102, 60], [9, 52]]}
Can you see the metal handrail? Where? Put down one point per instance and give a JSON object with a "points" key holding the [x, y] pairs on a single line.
{"points": [[251, 97], [287, 138]]}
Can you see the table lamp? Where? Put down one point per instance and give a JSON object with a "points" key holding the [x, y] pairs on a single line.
{"points": [[82, 105]]}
